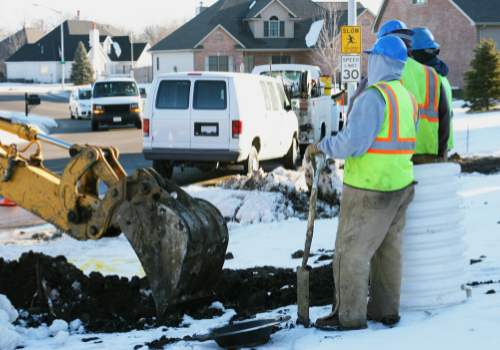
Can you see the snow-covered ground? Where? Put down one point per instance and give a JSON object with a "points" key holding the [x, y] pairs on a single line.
{"points": [[43, 123], [470, 325], [54, 89]]}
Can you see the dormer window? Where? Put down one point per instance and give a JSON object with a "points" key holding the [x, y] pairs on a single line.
{"points": [[274, 28]]}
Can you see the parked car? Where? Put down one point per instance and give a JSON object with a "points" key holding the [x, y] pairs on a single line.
{"points": [[79, 103], [209, 120], [318, 115], [116, 101]]}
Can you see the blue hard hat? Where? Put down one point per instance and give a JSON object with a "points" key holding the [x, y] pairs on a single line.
{"points": [[423, 39], [390, 26], [390, 46]]}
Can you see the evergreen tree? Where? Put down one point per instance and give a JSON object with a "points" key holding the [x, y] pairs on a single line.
{"points": [[483, 80], [82, 72]]}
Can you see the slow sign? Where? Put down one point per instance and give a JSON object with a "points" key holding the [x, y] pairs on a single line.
{"points": [[350, 40]]}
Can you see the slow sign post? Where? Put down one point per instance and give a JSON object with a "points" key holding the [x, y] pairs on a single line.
{"points": [[351, 40]]}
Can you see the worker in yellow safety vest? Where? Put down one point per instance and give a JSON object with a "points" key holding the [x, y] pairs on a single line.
{"points": [[425, 51], [378, 144], [427, 88]]}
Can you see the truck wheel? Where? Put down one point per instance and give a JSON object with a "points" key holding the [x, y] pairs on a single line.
{"points": [[95, 126], [138, 125], [303, 149], [163, 169], [291, 156], [252, 163]]}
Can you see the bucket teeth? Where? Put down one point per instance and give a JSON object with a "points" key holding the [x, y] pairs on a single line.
{"points": [[181, 243]]}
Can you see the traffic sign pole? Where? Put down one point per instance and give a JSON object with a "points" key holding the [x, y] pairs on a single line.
{"points": [[352, 22]]}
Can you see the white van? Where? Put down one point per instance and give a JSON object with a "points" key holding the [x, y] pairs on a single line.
{"points": [[79, 103], [209, 120], [116, 101]]}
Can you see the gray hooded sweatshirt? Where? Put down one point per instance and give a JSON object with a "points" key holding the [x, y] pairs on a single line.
{"points": [[367, 115]]}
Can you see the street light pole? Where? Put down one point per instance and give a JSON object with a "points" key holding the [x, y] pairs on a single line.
{"points": [[62, 42]]}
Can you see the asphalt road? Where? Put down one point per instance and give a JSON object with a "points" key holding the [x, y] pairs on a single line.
{"points": [[128, 140]]}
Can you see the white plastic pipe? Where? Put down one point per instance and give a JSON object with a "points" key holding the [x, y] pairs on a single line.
{"points": [[435, 268]]}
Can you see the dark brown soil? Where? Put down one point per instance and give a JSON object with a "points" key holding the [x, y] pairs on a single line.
{"points": [[112, 304], [483, 165]]}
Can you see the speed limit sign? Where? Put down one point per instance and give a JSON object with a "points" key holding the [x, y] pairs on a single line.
{"points": [[351, 68]]}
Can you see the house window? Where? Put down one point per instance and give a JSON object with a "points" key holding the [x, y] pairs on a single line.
{"points": [[280, 59], [418, 1], [274, 26], [365, 22], [42, 48], [44, 70], [10, 39], [218, 64], [218, 37]]}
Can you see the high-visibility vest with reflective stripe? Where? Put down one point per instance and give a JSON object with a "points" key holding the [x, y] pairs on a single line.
{"points": [[424, 83], [387, 166], [449, 96]]}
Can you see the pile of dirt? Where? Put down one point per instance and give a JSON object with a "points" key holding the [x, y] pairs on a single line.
{"points": [[483, 165], [111, 304]]}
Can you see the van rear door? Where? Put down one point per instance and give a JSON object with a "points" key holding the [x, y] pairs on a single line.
{"points": [[210, 125], [171, 116]]}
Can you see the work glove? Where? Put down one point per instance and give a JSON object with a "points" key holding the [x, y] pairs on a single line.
{"points": [[314, 148]]}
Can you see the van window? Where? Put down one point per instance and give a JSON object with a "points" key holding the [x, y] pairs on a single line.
{"points": [[283, 99], [274, 98], [210, 95], [173, 94], [266, 95]]}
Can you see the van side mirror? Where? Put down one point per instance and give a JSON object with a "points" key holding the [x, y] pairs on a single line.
{"points": [[288, 107], [143, 93]]}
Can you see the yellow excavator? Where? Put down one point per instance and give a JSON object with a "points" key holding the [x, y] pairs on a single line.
{"points": [[180, 241]]}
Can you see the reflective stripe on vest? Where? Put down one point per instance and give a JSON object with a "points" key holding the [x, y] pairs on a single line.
{"points": [[393, 143], [430, 110]]}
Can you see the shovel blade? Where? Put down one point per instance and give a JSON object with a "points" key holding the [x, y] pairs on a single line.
{"points": [[303, 296]]}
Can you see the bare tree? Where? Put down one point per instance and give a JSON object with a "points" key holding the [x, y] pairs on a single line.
{"points": [[155, 33], [42, 24], [327, 48]]}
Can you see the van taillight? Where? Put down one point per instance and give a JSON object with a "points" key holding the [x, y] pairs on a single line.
{"points": [[145, 127], [237, 128]]}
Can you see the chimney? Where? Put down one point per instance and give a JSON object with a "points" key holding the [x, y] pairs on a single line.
{"points": [[200, 9], [77, 18], [93, 36]]}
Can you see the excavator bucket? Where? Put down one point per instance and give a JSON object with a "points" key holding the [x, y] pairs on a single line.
{"points": [[181, 243]]}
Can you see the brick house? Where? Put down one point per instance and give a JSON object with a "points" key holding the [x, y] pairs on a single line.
{"points": [[237, 35], [458, 26]]}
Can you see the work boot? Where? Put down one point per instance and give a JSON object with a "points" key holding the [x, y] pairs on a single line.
{"points": [[330, 321], [388, 320]]}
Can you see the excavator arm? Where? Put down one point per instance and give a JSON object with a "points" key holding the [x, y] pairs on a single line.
{"points": [[180, 241]]}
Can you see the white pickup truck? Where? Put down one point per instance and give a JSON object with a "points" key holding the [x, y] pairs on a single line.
{"points": [[317, 113]]}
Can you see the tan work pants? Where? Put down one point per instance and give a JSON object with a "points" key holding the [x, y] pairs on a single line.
{"points": [[369, 243]]}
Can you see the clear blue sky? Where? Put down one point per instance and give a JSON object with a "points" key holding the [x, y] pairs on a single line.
{"points": [[131, 14]]}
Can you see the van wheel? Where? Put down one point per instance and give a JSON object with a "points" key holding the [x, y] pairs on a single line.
{"points": [[163, 169], [303, 149], [291, 156], [252, 163], [138, 125], [95, 126]]}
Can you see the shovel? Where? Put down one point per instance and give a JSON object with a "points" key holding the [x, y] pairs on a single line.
{"points": [[302, 272]]}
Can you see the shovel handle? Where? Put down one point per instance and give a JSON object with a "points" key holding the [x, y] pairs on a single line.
{"points": [[312, 208]]}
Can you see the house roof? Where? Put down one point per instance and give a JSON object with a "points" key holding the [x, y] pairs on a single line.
{"points": [[342, 5], [74, 32], [231, 14], [14, 42], [481, 11]]}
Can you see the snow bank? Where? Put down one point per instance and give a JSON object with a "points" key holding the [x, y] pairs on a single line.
{"points": [[263, 197], [58, 326], [44, 124], [9, 339], [37, 88], [313, 35], [61, 338], [118, 49]]}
